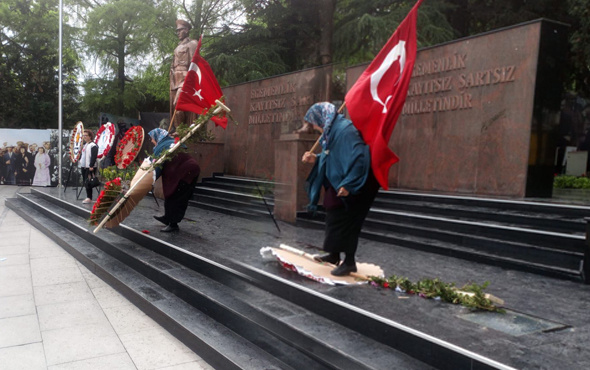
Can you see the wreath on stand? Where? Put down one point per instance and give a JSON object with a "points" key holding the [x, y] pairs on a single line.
{"points": [[76, 142], [129, 147], [104, 139]]}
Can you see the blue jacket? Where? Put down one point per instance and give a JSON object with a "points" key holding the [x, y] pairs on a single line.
{"points": [[344, 162]]}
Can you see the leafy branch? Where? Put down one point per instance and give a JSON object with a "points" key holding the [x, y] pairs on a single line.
{"points": [[471, 295]]}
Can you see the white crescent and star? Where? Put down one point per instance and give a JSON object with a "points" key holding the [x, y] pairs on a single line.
{"points": [[194, 67], [398, 52], [198, 93]]}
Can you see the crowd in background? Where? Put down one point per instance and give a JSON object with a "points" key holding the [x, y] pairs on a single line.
{"points": [[25, 164]]}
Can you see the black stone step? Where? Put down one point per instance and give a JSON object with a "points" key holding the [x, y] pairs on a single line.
{"points": [[515, 250], [544, 239], [242, 181], [216, 344], [229, 210], [517, 218], [547, 206], [254, 188], [426, 243], [238, 308], [440, 228], [249, 283], [233, 199]]}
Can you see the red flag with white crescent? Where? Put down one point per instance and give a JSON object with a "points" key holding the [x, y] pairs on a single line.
{"points": [[200, 88], [376, 100]]}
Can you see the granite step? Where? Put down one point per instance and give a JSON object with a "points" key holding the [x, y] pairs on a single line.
{"points": [[519, 256], [556, 221], [286, 332], [216, 344]]}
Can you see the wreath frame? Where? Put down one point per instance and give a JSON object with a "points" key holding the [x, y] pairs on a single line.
{"points": [[76, 138], [109, 128], [129, 146]]}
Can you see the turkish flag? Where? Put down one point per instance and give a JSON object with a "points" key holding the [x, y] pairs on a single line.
{"points": [[200, 88], [376, 100]]}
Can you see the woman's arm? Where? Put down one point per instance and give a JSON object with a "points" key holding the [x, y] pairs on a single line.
{"points": [[93, 155]]}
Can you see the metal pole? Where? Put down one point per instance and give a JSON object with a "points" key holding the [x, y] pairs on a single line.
{"points": [[60, 99]]}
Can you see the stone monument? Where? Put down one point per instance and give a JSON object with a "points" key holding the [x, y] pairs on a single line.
{"points": [[482, 114]]}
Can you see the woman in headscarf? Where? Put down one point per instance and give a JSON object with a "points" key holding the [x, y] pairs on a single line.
{"points": [[343, 168], [179, 177]]}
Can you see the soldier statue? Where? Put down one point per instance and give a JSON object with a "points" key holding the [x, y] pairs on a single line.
{"points": [[183, 55]]}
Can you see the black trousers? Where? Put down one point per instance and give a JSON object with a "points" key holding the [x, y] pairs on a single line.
{"points": [[343, 224], [85, 173], [175, 206]]}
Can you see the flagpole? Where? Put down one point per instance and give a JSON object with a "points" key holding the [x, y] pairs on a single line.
{"points": [[60, 98], [172, 120], [317, 142]]}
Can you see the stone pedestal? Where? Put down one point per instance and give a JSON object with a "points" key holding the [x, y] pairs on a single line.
{"points": [[290, 175], [209, 156]]}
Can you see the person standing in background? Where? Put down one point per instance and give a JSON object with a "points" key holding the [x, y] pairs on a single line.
{"points": [[88, 162], [9, 168]]}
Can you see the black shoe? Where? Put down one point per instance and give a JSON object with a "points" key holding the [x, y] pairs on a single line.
{"points": [[343, 270], [162, 219], [327, 258], [170, 228]]}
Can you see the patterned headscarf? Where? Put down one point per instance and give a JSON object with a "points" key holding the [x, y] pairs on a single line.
{"points": [[322, 114], [158, 134]]}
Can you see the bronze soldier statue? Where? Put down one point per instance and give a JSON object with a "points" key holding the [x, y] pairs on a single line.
{"points": [[183, 55]]}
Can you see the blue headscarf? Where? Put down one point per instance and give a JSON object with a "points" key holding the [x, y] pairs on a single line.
{"points": [[322, 114], [163, 141]]}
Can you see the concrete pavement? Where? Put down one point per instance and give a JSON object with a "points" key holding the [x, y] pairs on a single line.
{"points": [[55, 314]]}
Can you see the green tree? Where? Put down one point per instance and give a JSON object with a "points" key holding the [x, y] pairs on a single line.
{"points": [[29, 65], [579, 11], [132, 40], [277, 36], [119, 34], [363, 27], [469, 17]]}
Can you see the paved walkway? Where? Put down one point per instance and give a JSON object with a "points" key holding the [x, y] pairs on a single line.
{"points": [[56, 314]]}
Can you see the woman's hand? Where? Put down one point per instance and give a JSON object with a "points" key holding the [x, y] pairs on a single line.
{"points": [[308, 157], [342, 192]]}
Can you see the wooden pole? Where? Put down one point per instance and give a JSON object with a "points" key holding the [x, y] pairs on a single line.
{"points": [[172, 120]]}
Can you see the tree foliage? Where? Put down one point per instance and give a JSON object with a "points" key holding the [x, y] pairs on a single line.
{"points": [[29, 65], [119, 34], [363, 27], [130, 44]]}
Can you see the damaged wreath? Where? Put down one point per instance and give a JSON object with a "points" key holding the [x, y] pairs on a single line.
{"points": [[105, 199]]}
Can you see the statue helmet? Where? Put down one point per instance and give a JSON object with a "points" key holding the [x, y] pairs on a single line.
{"points": [[182, 24]]}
